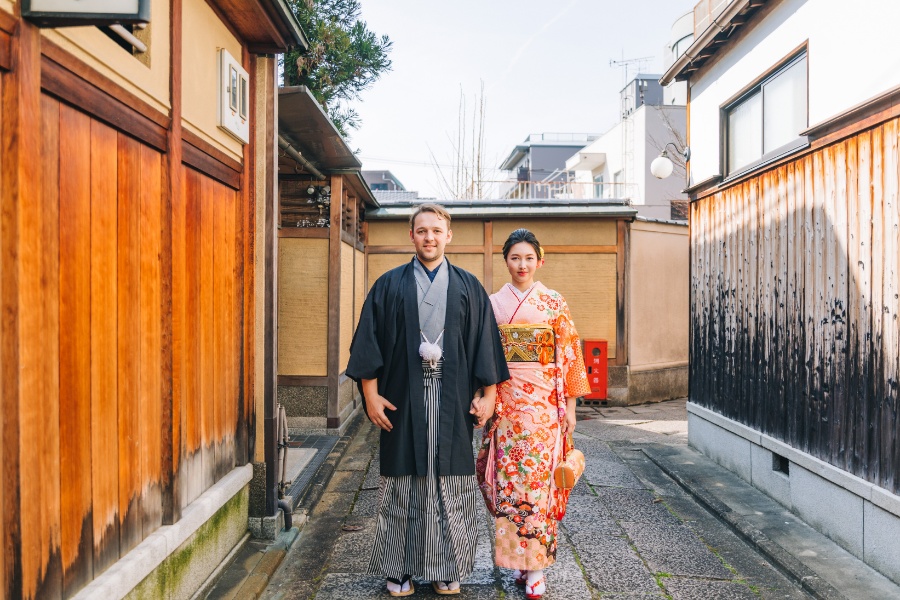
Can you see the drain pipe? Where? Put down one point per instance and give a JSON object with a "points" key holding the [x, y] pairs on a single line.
{"points": [[293, 153], [282, 438]]}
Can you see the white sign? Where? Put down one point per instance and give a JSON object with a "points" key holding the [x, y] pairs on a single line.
{"points": [[59, 13]]}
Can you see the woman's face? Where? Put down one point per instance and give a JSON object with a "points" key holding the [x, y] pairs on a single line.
{"points": [[522, 262]]}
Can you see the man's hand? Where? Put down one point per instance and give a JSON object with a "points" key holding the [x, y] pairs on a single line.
{"points": [[376, 404], [375, 407]]}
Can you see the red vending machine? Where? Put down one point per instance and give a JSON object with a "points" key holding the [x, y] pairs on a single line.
{"points": [[596, 357]]}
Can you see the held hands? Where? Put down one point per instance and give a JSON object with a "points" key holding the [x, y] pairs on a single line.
{"points": [[482, 406]]}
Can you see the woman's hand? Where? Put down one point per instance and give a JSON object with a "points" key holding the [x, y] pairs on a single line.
{"points": [[482, 406], [571, 417]]}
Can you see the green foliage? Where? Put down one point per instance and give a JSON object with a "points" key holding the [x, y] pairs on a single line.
{"points": [[344, 57]]}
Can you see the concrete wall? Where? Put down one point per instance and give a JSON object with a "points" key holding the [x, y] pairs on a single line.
{"points": [[657, 311], [861, 517], [841, 37], [149, 82], [177, 560], [204, 35]]}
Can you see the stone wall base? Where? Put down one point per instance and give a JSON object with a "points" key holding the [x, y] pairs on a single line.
{"points": [[175, 561], [628, 385], [861, 517]]}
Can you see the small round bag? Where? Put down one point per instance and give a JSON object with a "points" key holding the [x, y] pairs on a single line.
{"points": [[569, 470]]}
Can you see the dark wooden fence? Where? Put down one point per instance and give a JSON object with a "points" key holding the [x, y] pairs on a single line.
{"points": [[794, 295]]}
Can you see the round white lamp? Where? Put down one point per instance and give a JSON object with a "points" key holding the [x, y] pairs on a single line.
{"points": [[662, 166]]}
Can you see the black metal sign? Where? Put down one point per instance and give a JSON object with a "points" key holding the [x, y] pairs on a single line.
{"points": [[68, 13]]}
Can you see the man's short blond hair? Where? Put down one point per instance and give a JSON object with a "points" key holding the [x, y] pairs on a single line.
{"points": [[432, 208]]}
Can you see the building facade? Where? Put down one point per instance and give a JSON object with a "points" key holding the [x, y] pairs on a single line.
{"points": [[133, 162], [793, 179]]}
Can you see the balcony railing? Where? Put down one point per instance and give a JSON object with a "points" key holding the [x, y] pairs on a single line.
{"points": [[552, 190]]}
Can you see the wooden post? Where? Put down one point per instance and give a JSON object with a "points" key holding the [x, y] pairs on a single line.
{"points": [[270, 308], [621, 280], [171, 396], [334, 300], [20, 255], [489, 256]]}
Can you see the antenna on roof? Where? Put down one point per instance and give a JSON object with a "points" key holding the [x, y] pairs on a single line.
{"points": [[624, 63]]}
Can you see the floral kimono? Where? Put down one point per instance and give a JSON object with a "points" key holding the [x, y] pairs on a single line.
{"points": [[546, 366]]}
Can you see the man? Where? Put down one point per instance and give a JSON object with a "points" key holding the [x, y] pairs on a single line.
{"points": [[426, 341]]}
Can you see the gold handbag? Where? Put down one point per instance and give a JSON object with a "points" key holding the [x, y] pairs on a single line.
{"points": [[569, 470]]}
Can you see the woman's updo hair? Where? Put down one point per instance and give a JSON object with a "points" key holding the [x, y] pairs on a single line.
{"points": [[522, 235]]}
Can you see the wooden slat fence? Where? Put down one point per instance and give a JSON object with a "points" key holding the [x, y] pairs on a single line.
{"points": [[794, 304], [89, 335]]}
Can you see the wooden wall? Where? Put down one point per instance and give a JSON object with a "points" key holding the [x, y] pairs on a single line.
{"points": [[210, 352], [794, 304], [99, 412]]}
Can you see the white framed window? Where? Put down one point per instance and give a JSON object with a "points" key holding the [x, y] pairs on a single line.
{"points": [[598, 186], [767, 119]]}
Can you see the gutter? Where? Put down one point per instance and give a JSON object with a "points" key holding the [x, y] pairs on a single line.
{"points": [[293, 153], [718, 25], [289, 19]]}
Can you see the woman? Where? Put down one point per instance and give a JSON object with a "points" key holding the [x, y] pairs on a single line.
{"points": [[535, 411]]}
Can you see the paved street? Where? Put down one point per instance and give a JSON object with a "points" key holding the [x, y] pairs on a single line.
{"points": [[630, 532]]}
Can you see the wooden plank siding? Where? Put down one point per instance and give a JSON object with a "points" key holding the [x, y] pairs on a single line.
{"points": [[83, 275], [795, 277]]}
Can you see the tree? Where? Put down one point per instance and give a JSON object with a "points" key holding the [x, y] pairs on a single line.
{"points": [[344, 57], [464, 174]]}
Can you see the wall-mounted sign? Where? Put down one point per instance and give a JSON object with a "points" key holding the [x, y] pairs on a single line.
{"points": [[234, 97], [63, 13]]}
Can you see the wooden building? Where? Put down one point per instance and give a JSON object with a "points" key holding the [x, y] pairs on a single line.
{"points": [[128, 254], [623, 277], [321, 265], [794, 221]]}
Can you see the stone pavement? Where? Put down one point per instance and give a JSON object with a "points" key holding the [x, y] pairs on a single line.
{"points": [[631, 531]]}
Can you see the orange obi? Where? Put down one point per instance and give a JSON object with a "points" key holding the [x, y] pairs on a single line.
{"points": [[528, 343]]}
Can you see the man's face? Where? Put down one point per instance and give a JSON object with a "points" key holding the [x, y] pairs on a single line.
{"points": [[430, 233]]}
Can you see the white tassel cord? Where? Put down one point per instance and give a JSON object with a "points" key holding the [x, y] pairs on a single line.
{"points": [[431, 351]]}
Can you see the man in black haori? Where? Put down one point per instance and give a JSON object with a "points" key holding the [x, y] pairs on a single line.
{"points": [[426, 342]]}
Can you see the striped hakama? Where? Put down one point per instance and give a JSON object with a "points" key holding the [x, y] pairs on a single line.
{"points": [[427, 526]]}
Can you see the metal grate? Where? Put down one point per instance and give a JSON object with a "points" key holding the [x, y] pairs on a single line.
{"points": [[323, 444]]}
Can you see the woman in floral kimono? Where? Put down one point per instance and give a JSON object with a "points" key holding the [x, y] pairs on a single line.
{"points": [[535, 411]]}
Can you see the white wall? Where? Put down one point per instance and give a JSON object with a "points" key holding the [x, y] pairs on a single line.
{"points": [[852, 57], [650, 131]]}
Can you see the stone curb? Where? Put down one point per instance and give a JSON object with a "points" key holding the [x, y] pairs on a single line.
{"points": [[259, 577], [786, 562]]}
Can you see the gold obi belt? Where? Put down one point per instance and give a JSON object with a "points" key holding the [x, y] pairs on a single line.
{"points": [[528, 343]]}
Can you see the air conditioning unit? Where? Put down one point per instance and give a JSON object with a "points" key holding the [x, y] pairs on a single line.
{"points": [[234, 98]]}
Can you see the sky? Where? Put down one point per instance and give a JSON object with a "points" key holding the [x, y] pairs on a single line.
{"points": [[545, 66]]}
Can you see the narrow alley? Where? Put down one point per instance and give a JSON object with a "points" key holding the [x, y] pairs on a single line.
{"points": [[630, 531]]}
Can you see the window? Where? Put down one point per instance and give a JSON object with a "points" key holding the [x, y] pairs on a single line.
{"points": [[681, 45], [598, 186], [767, 120], [618, 178]]}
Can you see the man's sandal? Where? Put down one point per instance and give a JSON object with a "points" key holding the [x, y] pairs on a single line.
{"points": [[445, 588], [395, 588]]}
